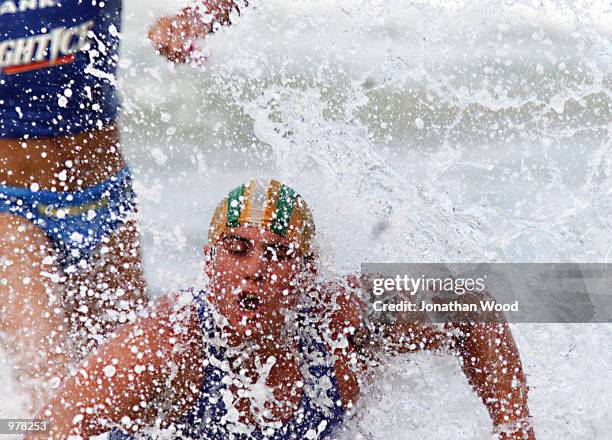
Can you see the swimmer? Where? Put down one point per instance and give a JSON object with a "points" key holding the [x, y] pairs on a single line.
{"points": [[70, 266], [263, 348]]}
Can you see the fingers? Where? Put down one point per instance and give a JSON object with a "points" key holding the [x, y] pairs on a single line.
{"points": [[166, 39], [173, 37]]}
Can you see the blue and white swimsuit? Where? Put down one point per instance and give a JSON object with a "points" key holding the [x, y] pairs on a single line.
{"points": [[58, 61], [319, 416]]}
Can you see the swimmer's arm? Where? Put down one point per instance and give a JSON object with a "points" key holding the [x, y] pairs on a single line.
{"points": [[371, 338], [119, 383], [173, 36], [358, 343], [491, 362], [489, 355], [489, 358]]}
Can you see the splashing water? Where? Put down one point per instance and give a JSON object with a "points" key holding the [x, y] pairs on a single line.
{"points": [[399, 219], [423, 129], [433, 131], [417, 131]]}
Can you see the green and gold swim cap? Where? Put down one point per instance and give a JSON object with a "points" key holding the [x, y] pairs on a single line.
{"points": [[270, 205]]}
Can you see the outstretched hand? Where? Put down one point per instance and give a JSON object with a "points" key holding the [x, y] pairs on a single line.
{"points": [[180, 37], [175, 37]]}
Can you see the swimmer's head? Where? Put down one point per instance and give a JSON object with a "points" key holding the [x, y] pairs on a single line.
{"points": [[269, 205], [259, 255]]}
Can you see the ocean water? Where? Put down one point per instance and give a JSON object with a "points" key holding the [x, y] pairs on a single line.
{"points": [[418, 131]]}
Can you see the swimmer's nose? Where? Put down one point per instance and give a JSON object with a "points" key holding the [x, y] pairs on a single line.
{"points": [[253, 266]]}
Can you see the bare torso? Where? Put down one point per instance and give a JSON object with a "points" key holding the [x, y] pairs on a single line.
{"points": [[66, 163]]}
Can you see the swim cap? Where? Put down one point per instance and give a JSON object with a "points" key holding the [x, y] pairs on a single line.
{"points": [[268, 204]]}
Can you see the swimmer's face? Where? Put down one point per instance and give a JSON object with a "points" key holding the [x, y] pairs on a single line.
{"points": [[255, 278]]}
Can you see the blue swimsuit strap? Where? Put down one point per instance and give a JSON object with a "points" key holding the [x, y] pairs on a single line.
{"points": [[306, 346]]}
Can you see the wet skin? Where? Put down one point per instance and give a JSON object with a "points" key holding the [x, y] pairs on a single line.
{"points": [[172, 36], [256, 280], [47, 313], [71, 163]]}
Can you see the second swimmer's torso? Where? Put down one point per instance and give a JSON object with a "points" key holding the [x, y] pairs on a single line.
{"points": [[319, 415], [57, 66]]}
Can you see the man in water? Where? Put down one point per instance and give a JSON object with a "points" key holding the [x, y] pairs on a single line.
{"points": [[70, 266], [263, 349]]}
